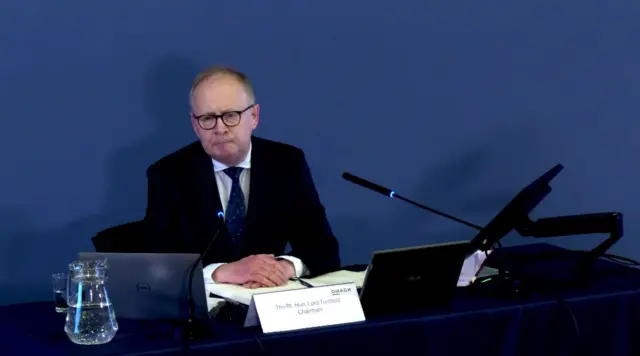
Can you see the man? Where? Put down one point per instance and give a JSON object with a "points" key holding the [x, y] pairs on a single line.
{"points": [[264, 190]]}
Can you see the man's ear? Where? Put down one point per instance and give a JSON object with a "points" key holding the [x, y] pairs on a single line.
{"points": [[255, 116], [194, 124]]}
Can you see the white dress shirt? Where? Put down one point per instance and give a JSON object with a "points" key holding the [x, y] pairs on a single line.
{"points": [[224, 189]]}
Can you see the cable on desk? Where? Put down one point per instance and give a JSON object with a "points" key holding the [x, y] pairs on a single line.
{"points": [[621, 259], [579, 344], [262, 351], [573, 317]]}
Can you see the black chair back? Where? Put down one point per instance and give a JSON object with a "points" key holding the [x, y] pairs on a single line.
{"points": [[121, 238]]}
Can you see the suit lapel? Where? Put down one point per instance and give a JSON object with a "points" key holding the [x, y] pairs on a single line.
{"points": [[207, 196]]}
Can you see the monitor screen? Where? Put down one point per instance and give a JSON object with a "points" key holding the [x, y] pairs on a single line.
{"points": [[515, 212]]}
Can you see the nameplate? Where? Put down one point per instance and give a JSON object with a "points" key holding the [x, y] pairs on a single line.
{"points": [[305, 308]]}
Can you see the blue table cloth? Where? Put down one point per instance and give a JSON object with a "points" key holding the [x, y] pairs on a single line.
{"points": [[601, 319]]}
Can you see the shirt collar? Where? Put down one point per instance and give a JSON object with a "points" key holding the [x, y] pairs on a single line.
{"points": [[218, 166]]}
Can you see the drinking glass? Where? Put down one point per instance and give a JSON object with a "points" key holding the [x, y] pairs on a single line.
{"points": [[60, 292]]}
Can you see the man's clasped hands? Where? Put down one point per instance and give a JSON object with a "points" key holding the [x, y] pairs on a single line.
{"points": [[256, 271]]}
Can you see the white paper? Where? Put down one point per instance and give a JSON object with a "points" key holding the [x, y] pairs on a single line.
{"points": [[471, 267], [337, 277], [243, 295]]}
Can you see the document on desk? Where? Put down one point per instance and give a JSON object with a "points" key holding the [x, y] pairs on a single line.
{"points": [[471, 267], [243, 295]]}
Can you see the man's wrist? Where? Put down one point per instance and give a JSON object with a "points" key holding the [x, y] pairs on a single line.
{"points": [[290, 269], [299, 269]]}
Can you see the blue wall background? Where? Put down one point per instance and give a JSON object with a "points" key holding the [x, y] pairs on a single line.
{"points": [[455, 103]]}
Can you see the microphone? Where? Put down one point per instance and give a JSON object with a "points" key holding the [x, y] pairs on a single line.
{"points": [[392, 194], [190, 331]]}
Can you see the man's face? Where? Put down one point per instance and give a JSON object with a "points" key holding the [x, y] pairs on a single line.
{"points": [[222, 95]]}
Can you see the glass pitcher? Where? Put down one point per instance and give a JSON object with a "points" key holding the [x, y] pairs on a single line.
{"points": [[90, 316]]}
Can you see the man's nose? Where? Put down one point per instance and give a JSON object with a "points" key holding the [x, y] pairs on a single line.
{"points": [[220, 128]]}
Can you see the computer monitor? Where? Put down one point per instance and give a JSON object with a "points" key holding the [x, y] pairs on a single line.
{"points": [[411, 279], [515, 214], [152, 286]]}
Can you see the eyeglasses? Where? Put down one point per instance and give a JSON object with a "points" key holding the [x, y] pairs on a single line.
{"points": [[229, 118]]}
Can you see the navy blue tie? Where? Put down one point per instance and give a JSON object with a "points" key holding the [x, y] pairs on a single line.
{"points": [[236, 209]]}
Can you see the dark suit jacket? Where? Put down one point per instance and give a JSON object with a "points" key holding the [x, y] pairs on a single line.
{"points": [[283, 207]]}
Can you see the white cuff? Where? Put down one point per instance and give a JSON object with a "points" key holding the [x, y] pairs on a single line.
{"points": [[298, 266], [208, 272]]}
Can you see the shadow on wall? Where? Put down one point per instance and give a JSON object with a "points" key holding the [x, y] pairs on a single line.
{"points": [[405, 225], [29, 256], [455, 186], [166, 91]]}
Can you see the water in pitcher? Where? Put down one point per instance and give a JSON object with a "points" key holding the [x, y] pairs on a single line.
{"points": [[91, 319], [91, 324]]}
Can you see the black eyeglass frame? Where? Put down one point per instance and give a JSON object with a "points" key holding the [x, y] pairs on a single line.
{"points": [[221, 117]]}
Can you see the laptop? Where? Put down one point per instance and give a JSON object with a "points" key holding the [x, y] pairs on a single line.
{"points": [[152, 286], [412, 279]]}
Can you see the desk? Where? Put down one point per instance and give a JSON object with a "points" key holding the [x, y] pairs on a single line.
{"points": [[607, 315]]}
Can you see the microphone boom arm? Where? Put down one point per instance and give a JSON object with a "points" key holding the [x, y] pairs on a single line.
{"points": [[450, 217], [392, 194]]}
